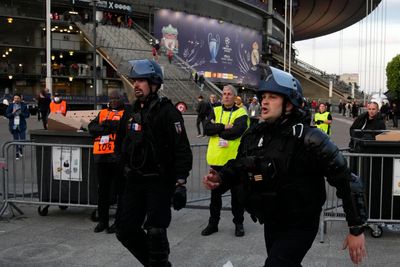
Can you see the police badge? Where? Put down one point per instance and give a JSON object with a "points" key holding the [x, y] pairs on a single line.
{"points": [[178, 127]]}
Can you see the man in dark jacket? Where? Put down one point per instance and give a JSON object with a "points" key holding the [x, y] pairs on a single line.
{"points": [[281, 165], [17, 113], [370, 120], [109, 175], [157, 160], [44, 107], [202, 110]]}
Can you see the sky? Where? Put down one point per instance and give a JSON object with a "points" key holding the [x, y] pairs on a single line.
{"points": [[352, 50]]}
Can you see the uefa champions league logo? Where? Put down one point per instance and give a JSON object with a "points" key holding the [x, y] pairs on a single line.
{"points": [[213, 44]]}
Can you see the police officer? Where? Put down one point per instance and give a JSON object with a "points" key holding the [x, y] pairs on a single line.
{"points": [[323, 119], [281, 165], [157, 159], [104, 128]]}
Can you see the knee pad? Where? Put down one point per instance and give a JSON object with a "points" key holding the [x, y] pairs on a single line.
{"points": [[157, 239]]}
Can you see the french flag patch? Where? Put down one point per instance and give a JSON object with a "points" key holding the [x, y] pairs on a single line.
{"points": [[135, 127]]}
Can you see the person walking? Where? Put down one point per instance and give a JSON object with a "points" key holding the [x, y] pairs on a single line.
{"points": [[395, 115], [157, 160], [225, 126], [323, 119], [202, 110], [109, 170], [281, 167], [170, 55], [44, 107], [201, 82], [17, 113]]}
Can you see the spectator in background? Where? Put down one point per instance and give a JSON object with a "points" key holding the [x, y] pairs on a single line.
{"points": [[370, 120], [340, 106], [202, 110], [254, 111], [196, 77], [58, 106], [119, 21], [385, 111], [323, 119], [170, 55], [354, 109], [17, 112], [201, 82], [130, 23], [44, 107], [239, 103], [395, 115]]}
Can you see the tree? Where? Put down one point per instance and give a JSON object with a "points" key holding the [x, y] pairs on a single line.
{"points": [[393, 76]]}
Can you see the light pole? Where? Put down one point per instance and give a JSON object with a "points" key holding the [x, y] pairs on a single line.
{"points": [[49, 81], [94, 53]]}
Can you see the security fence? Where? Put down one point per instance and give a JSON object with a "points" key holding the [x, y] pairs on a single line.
{"points": [[380, 174], [64, 175]]}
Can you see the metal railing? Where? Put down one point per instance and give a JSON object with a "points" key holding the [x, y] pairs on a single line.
{"points": [[380, 178], [64, 175]]}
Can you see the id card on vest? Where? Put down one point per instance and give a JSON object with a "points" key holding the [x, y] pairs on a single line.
{"points": [[104, 139], [222, 142]]}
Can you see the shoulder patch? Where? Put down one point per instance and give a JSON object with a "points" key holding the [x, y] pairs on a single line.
{"points": [[178, 127]]}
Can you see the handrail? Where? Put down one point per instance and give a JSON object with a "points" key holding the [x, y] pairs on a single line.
{"points": [[187, 68], [318, 75], [108, 38]]}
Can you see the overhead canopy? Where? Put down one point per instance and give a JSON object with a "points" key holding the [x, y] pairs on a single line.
{"points": [[314, 18]]}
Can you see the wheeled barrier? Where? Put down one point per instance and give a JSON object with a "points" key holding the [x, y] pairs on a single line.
{"points": [[53, 174], [380, 174]]}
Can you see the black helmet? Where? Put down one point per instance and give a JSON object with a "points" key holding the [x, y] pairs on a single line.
{"points": [[278, 81], [146, 69]]}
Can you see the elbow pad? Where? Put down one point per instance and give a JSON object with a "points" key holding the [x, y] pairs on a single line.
{"points": [[358, 199], [325, 151]]}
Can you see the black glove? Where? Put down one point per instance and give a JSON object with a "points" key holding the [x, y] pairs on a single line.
{"points": [[179, 197], [318, 122]]}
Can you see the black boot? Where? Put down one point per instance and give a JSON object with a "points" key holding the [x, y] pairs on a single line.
{"points": [[100, 227], [111, 229], [239, 230], [210, 229]]}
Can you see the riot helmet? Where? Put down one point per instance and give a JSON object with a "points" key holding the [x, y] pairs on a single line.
{"points": [[146, 69], [280, 82]]}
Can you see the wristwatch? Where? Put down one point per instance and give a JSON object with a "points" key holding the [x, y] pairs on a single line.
{"points": [[357, 230]]}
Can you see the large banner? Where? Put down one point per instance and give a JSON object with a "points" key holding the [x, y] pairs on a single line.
{"points": [[221, 51]]}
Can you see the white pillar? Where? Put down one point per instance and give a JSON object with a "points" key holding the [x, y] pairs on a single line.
{"points": [[49, 81]]}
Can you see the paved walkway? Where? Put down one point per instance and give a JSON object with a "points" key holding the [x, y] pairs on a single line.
{"points": [[66, 238]]}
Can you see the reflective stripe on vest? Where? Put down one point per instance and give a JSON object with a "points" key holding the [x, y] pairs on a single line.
{"points": [[59, 108], [217, 155], [105, 144], [323, 117]]}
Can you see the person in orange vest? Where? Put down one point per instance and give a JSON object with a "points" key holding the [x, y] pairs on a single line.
{"points": [[58, 105], [103, 128]]}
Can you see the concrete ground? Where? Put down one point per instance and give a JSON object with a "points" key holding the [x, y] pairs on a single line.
{"points": [[66, 237]]}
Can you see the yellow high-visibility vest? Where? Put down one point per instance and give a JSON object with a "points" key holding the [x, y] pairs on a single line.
{"points": [[219, 155], [323, 126]]}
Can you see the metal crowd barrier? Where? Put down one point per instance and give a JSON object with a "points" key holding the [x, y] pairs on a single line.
{"points": [[65, 176], [380, 174]]}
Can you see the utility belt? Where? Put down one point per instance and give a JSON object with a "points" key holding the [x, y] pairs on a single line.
{"points": [[142, 176], [260, 189]]}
